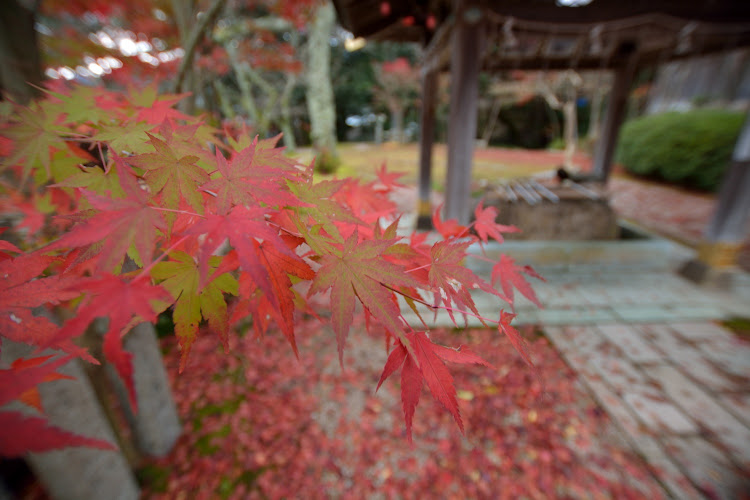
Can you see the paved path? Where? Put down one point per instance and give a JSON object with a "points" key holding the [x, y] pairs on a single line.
{"points": [[649, 347]]}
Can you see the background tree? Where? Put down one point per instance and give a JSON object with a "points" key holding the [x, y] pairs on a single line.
{"points": [[397, 87], [20, 63], [320, 102]]}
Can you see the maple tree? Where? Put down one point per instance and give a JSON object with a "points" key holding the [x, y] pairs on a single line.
{"points": [[397, 86], [151, 210]]}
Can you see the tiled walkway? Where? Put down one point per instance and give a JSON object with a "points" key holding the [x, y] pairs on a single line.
{"points": [[649, 347], [679, 392]]}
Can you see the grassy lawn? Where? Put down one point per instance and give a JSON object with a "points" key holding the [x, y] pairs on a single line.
{"points": [[492, 164]]}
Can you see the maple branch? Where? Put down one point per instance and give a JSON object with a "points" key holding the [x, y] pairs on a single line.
{"points": [[193, 38]]}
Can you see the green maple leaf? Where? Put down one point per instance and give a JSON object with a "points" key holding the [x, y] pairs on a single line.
{"points": [[63, 166], [171, 176], [361, 272], [181, 278], [130, 137], [96, 180], [80, 105], [34, 134], [320, 207], [190, 140]]}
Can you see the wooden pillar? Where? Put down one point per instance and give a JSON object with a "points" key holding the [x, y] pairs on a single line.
{"points": [[426, 140], [723, 237], [462, 122], [728, 227], [618, 99]]}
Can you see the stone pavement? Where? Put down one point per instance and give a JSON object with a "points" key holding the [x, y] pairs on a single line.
{"points": [[648, 346]]}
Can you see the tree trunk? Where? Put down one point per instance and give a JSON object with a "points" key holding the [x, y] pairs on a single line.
{"points": [[596, 112], [397, 124], [156, 426], [320, 102], [77, 473], [285, 103], [571, 131], [225, 99], [20, 61], [184, 11]]}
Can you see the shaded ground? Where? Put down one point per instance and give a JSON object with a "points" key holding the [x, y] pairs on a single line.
{"points": [[260, 424]]}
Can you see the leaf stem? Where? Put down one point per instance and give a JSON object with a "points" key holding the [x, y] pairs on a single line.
{"points": [[418, 268], [178, 211], [101, 155]]}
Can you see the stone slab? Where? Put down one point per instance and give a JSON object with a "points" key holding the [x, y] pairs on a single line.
{"points": [[707, 467], [738, 405], [705, 410], [632, 343], [701, 331], [642, 313], [673, 480], [659, 415], [671, 477], [577, 316]]}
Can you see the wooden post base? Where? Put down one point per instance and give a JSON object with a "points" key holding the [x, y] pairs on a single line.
{"points": [[715, 265]]}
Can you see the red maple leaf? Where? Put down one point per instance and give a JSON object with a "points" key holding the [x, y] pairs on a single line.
{"points": [[281, 265], [518, 342], [153, 108], [6, 247], [118, 224], [25, 374], [510, 276], [430, 368], [485, 225], [36, 434], [360, 272], [242, 226], [31, 396], [126, 304], [389, 180], [33, 433], [448, 229], [364, 202], [247, 181], [21, 291], [451, 280], [171, 175]]}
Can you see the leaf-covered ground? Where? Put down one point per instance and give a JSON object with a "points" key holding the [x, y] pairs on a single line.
{"points": [[259, 423]]}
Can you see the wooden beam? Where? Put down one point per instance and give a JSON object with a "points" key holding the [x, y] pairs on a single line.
{"points": [[426, 140], [462, 122], [435, 52], [618, 99]]}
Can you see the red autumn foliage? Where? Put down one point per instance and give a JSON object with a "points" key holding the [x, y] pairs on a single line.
{"points": [[157, 221]]}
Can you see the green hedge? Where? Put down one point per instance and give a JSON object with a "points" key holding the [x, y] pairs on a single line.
{"points": [[691, 149]]}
